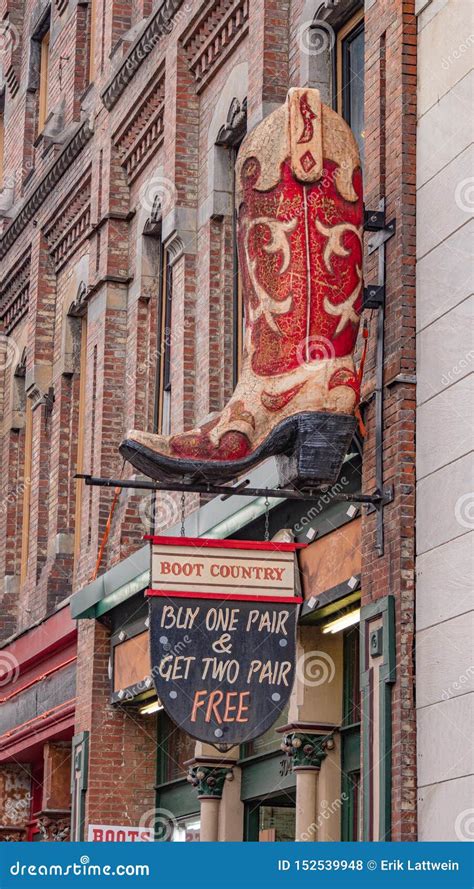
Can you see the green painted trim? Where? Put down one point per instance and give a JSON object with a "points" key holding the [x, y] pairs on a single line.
{"points": [[79, 763], [266, 776], [350, 738], [386, 609], [251, 823], [178, 799]]}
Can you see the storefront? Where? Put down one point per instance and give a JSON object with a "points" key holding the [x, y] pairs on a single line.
{"points": [[36, 729], [258, 789]]}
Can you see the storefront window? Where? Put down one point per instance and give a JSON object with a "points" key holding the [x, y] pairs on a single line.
{"points": [[268, 742], [350, 738], [271, 819], [175, 747], [187, 830], [276, 824]]}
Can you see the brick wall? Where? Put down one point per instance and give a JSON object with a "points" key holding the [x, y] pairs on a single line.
{"points": [[390, 171], [120, 273]]}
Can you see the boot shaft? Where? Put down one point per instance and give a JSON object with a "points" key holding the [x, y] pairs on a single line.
{"points": [[300, 215]]}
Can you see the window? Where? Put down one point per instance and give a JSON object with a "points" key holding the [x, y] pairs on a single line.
{"points": [[174, 793], [271, 819], [43, 80], [175, 747], [238, 316], [350, 739], [92, 33], [269, 742], [350, 76], [2, 139], [230, 137], [25, 533], [163, 382], [187, 830], [80, 438]]}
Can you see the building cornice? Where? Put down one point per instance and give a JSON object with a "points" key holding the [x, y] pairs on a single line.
{"points": [[48, 182], [160, 23]]}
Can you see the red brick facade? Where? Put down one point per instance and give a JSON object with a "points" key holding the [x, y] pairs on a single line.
{"points": [[77, 198]]}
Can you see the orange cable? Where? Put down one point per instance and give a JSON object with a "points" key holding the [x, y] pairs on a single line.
{"points": [[106, 533]]}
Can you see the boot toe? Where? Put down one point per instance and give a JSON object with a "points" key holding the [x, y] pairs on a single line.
{"points": [[158, 443]]}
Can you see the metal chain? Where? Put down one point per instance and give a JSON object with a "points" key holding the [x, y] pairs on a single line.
{"points": [[267, 518], [183, 515]]}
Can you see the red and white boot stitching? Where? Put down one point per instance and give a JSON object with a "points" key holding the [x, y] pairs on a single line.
{"points": [[300, 216]]}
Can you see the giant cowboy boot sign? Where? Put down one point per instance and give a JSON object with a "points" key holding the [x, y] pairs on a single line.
{"points": [[300, 216]]}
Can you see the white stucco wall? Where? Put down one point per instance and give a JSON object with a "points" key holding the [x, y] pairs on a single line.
{"points": [[445, 420]]}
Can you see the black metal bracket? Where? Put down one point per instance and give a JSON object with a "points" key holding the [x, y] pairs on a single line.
{"points": [[376, 500], [374, 220], [374, 298]]}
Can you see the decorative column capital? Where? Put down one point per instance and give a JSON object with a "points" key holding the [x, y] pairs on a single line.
{"points": [[209, 780], [307, 751]]}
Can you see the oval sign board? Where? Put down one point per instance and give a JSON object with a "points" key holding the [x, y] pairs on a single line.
{"points": [[223, 657]]}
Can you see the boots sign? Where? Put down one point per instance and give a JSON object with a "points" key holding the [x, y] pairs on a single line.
{"points": [[223, 619]]}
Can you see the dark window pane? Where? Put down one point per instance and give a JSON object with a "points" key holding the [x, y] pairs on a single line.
{"points": [[353, 83], [175, 747]]}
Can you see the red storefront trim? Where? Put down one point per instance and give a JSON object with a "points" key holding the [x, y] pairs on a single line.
{"points": [[48, 724], [37, 679], [171, 594], [267, 545]]}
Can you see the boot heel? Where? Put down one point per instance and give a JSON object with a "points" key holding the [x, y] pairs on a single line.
{"points": [[321, 442]]}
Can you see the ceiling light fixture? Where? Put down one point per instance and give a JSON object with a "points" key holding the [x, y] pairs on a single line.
{"points": [[343, 622]]}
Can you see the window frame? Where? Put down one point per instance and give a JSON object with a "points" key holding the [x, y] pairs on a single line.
{"points": [[238, 315], [26, 510], [80, 439], [43, 77], [2, 139], [92, 36], [350, 29], [351, 783], [163, 370]]}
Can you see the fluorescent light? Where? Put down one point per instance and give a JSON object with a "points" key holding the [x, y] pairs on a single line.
{"points": [[341, 623], [154, 707]]}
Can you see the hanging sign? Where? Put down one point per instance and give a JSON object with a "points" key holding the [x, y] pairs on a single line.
{"points": [[223, 617]]}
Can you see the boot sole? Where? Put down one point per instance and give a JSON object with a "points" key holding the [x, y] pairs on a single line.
{"points": [[309, 447]]}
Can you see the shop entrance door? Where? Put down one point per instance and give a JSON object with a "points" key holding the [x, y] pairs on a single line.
{"points": [[271, 819]]}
